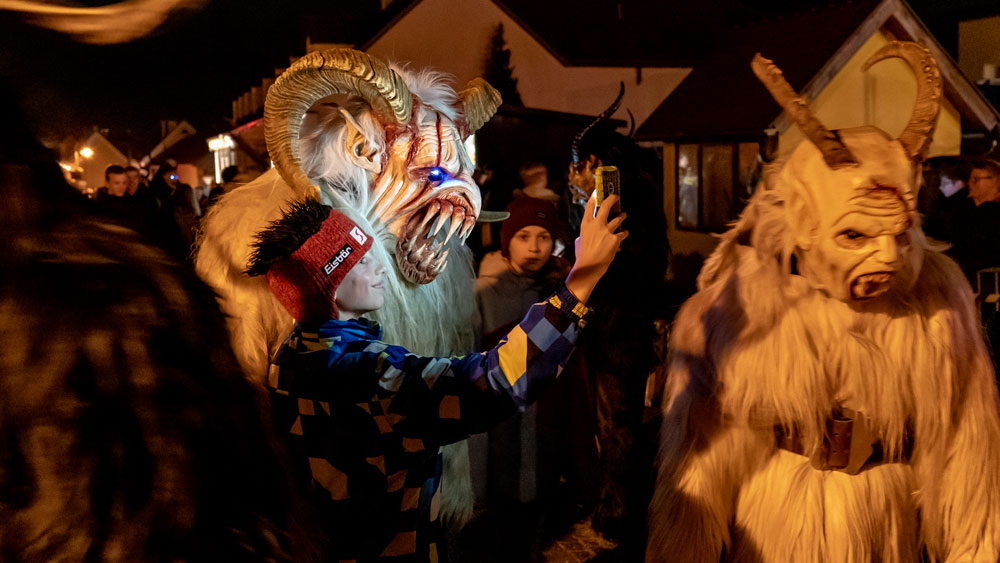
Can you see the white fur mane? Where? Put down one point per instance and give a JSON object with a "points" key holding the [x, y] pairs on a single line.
{"points": [[759, 347], [430, 319], [323, 155]]}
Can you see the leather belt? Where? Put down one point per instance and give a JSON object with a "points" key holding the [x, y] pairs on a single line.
{"points": [[848, 444]]}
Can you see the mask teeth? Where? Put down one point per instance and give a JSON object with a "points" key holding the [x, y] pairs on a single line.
{"points": [[446, 211], [440, 263], [456, 222], [432, 211], [426, 261], [467, 228], [435, 226]]}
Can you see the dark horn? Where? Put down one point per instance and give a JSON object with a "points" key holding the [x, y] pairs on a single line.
{"points": [[835, 152], [604, 115], [314, 77]]}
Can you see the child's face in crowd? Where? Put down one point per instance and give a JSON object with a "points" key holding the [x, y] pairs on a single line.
{"points": [[530, 249], [363, 289]]}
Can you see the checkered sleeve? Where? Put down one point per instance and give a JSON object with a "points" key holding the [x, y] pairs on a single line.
{"points": [[445, 399], [536, 350]]}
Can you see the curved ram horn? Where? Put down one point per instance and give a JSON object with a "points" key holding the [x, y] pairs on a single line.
{"points": [[916, 138], [835, 152], [316, 76], [479, 101], [604, 115]]}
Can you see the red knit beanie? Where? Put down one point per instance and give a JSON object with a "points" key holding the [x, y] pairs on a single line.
{"points": [[527, 211], [306, 281]]}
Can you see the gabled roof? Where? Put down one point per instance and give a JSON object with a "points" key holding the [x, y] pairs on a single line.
{"points": [[650, 33], [99, 143], [721, 98], [575, 34], [357, 26], [637, 33]]}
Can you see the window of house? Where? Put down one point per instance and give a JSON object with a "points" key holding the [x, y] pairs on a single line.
{"points": [[714, 183], [688, 175]]}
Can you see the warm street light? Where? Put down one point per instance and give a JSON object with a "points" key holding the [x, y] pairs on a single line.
{"points": [[86, 152]]}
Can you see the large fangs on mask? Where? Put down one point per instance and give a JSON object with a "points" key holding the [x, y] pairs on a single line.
{"points": [[344, 71], [421, 248]]}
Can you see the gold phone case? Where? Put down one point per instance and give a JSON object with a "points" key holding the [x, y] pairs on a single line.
{"points": [[607, 182]]}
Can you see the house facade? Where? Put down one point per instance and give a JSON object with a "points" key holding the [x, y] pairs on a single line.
{"points": [[711, 126], [547, 79]]}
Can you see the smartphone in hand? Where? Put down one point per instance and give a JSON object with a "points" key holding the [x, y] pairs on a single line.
{"points": [[607, 182]]}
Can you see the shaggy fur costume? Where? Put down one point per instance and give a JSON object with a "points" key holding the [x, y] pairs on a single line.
{"points": [[759, 347], [127, 429], [430, 319]]}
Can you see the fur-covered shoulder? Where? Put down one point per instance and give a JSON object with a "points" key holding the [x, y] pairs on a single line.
{"points": [[256, 320], [949, 305], [742, 293], [942, 280]]}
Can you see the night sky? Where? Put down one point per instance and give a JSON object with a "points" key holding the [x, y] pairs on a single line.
{"points": [[194, 66], [191, 68]]}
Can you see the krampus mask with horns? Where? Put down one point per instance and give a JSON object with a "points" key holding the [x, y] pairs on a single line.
{"points": [[848, 197], [583, 166], [407, 152]]}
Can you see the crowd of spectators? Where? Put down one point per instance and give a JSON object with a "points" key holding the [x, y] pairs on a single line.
{"points": [[165, 209]]}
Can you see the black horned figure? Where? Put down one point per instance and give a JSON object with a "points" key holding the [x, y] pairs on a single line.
{"points": [[618, 351]]}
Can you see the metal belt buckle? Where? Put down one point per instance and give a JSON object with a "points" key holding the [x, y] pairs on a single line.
{"points": [[848, 443], [862, 440]]}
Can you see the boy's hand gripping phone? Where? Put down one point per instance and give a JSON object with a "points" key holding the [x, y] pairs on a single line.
{"points": [[607, 182]]}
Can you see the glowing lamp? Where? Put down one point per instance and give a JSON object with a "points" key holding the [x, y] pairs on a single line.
{"points": [[86, 152], [221, 142]]}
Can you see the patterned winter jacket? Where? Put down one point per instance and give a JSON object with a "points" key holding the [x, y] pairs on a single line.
{"points": [[364, 420]]}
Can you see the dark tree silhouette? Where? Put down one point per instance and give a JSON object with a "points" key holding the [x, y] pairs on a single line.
{"points": [[497, 70]]}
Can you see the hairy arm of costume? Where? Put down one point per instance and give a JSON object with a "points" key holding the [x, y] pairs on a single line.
{"points": [[257, 322], [959, 467], [443, 400], [703, 457]]}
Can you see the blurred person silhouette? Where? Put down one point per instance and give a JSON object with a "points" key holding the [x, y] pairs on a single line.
{"points": [[177, 220], [127, 430], [228, 184], [970, 220], [229, 175], [535, 177], [619, 353]]}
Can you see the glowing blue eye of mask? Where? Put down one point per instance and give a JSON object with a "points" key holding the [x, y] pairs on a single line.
{"points": [[437, 175]]}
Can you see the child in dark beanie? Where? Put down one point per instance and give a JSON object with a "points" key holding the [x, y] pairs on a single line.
{"points": [[365, 419], [523, 271]]}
